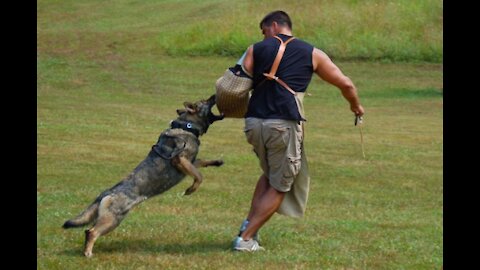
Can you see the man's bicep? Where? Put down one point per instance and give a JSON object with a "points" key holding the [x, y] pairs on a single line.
{"points": [[326, 69]]}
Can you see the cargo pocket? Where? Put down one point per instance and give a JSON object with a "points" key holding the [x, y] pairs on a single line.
{"points": [[293, 156], [292, 167], [278, 137]]}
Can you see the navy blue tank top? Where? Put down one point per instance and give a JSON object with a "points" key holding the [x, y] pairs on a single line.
{"points": [[269, 99]]}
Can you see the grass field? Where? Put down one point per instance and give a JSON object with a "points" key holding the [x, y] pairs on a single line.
{"points": [[108, 84], [386, 30]]}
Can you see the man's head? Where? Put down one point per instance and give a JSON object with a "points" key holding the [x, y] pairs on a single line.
{"points": [[275, 23]]}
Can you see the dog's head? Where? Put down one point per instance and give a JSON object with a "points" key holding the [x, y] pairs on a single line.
{"points": [[198, 115]]}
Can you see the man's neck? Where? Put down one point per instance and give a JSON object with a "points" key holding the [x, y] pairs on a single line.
{"points": [[286, 32]]}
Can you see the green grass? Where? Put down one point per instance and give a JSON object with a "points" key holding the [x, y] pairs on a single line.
{"points": [[399, 30], [105, 91], [384, 212]]}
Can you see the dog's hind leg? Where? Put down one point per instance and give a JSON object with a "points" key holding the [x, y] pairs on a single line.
{"points": [[198, 163], [107, 221], [185, 166], [84, 218]]}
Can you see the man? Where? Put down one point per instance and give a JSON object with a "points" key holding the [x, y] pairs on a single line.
{"points": [[274, 121]]}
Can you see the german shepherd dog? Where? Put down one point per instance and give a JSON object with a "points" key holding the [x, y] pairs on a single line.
{"points": [[169, 161]]}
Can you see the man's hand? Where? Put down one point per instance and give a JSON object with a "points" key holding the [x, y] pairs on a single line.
{"points": [[357, 110]]}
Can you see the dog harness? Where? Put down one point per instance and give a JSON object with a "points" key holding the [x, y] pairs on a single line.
{"points": [[169, 146]]}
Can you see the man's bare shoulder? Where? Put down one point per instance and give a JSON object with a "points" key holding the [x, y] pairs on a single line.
{"points": [[319, 54], [319, 57]]}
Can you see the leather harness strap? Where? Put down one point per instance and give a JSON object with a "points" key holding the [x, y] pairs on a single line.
{"points": [[276, 62]]}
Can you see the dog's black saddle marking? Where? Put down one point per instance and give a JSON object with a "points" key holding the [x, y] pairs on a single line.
{"points": [[168, 146]]}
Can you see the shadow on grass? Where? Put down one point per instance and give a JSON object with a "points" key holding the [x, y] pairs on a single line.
{"points": [[147, 246]]}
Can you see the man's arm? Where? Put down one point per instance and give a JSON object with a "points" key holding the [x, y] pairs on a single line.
{"points": [[248, 61], [328, 71]]}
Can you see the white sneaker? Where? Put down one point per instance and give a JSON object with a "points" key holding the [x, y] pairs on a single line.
{"points": [[250, 245]]}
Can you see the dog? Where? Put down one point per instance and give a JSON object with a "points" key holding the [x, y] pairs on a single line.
{"points": [[172, 158]]}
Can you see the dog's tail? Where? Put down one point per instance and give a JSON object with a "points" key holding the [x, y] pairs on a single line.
{"points": [[84, 218]]}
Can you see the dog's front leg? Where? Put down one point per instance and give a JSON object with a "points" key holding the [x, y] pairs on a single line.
{"points": [[185, 166], [198, 163]]}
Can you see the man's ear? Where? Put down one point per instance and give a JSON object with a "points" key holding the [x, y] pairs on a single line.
{"points": [[189, 107], [274, 25]]}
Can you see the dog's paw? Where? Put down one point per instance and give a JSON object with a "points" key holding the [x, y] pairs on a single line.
{"points": [[218, 163], [189, 191], [88, 254]]}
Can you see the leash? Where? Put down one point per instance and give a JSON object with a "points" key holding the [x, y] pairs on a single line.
{"points": [[359, 122]]}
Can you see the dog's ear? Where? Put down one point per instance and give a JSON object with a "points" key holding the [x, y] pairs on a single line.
{"points": [[180, 111], [190, 107]]}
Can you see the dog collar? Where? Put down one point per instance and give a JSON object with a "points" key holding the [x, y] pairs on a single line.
{"points": [[187, 126]]}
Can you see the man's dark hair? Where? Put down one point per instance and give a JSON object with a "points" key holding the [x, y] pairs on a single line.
{"points": [[281, 17]]}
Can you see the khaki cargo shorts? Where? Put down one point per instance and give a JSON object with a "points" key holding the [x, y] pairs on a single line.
{"points": [[278, 145]]}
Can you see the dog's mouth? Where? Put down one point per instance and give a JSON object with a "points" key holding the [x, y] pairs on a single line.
{"points": [[200, 113], [211, 116]]}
